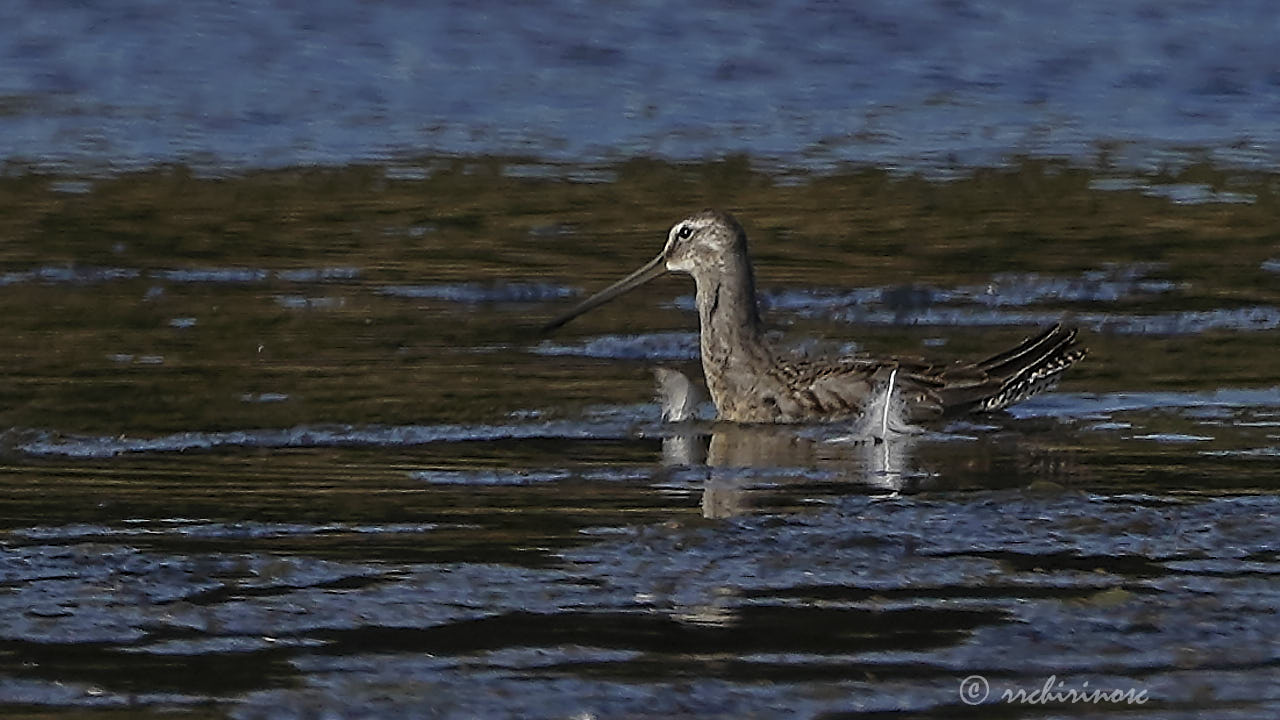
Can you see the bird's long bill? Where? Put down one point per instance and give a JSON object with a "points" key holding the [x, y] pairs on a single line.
{"points": [[651, 270]]}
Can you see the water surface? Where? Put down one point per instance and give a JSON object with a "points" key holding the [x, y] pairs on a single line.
{"points": [[288, 444], [915, 85]]}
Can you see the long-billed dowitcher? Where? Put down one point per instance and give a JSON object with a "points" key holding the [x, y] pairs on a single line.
{"points": [[752, 382]]}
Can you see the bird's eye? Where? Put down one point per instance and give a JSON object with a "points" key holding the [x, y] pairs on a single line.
{"points": [[684, 232]]}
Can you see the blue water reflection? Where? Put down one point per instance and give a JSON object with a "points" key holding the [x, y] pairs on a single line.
{"points": [[910, 84]]}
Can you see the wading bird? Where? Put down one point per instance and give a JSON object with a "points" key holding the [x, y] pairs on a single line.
{"points": [[752, 382]]}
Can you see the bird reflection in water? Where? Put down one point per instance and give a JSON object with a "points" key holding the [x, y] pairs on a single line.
{"points": [[743, 461]]}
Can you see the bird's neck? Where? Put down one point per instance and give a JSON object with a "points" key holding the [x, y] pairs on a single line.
{"points": [[727, 306], [732, 337]]}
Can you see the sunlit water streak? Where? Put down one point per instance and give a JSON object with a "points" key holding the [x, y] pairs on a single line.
{"points": [[620, 423]]}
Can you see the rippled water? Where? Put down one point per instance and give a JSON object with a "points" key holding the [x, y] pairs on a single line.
{"points": [[289, 446], [916, 84]]}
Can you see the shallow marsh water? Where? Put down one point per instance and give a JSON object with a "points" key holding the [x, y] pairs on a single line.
{"points": [[289, 445]]}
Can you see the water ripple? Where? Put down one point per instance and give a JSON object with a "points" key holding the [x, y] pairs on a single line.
{"points": [[43, 443], [648, 346], [478, 293], [69, 275], [605, 423]]}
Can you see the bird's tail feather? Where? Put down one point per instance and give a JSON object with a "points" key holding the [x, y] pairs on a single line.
{"points": [[1012, 376]]}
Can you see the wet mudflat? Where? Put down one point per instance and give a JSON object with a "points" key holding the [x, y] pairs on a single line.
{"points": [[288, 445]]}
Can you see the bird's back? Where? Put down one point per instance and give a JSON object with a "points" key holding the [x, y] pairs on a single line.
{"points": [[922, 391]]}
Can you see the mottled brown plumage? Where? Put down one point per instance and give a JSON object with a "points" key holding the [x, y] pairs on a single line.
{"points": [[750, 381]]}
